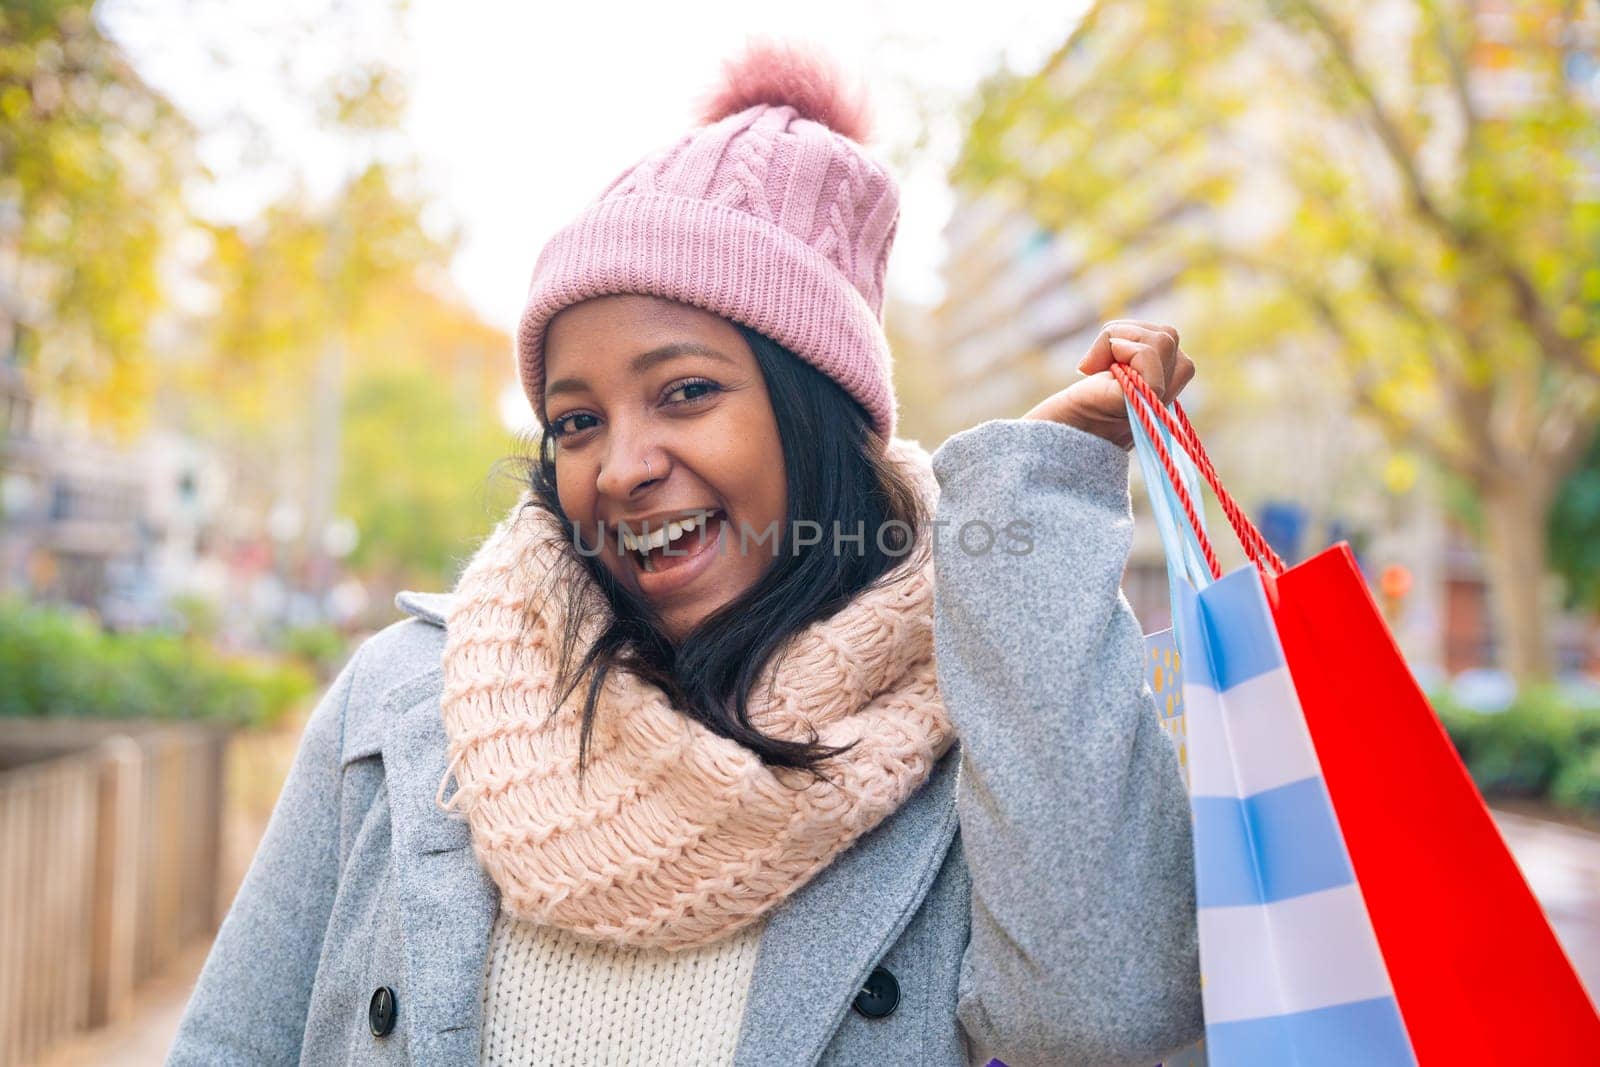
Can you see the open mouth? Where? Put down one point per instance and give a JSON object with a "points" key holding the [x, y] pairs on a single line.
{"points": [[674, 543]]}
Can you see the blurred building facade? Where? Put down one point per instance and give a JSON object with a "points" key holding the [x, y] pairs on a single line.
{"points": [[118, 529], [126, 529], [1022, 306]]}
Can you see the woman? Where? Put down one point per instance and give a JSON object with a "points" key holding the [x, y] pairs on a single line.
{"points": [[754, 735]]}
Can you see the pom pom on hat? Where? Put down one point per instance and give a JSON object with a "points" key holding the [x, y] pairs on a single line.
{"points": [[789, 73]]}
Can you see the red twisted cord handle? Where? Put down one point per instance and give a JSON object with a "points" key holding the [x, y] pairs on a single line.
{"points": [[1147, 407], [1247, 531], [1143, 415]]}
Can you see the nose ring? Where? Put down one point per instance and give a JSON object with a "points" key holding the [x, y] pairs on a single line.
{"points": [[649, 475]]}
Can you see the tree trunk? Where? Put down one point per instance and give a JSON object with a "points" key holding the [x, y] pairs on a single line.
{"points": [[1514, 513]]}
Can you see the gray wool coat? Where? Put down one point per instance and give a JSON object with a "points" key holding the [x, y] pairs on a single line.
{"points": [[1034, 900]]}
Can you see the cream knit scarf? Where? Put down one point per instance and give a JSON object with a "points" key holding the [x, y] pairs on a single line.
{"points": [[680, 837]]}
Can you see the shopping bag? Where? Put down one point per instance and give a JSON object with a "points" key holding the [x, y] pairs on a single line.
{"points": [[1164, 666], [1480, 974], [1165, 663], [1292, 679], [1290, 964]]}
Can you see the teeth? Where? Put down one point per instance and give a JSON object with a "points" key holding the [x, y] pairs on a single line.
{"points": [[671, 531]]}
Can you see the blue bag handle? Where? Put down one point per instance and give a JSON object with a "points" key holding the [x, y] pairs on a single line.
{"points": [[1178, 538]]}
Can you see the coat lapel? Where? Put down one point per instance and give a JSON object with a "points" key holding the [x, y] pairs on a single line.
{"points": [[448, 902], [821, 944]]}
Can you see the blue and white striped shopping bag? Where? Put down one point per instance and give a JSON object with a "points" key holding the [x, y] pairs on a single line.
{"points": [[1290, 968]]}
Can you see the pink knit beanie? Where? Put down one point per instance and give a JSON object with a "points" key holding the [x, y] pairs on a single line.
{"points": [[770, 214]]}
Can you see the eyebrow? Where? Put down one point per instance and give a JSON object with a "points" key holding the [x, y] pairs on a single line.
{"points": [[643, 362]]}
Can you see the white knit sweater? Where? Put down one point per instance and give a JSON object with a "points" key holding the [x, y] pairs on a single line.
{"points": [[553, 998]]}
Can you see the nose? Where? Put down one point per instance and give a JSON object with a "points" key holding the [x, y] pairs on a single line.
{"points": [[630, 465]]}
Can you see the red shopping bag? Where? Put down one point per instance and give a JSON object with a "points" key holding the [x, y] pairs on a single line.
{"points": [[1478, 972], [1476, 969]]}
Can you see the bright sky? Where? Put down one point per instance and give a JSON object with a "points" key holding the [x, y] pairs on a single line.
{"points": [[521, 112]]}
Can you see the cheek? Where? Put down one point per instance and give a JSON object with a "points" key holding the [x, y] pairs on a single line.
{"points": [[764, 487], [770, 463], [574, 491], [768, 490], [740, 455]]}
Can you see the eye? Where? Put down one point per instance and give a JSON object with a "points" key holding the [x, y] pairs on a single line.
{"points": [[569, 424], [691, 390]]}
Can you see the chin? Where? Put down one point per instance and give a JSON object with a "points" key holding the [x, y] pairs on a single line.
{"points": [[680, 624]]}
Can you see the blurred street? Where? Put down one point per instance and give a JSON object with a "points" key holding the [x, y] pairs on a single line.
{"points": [[1562, 864], [145, 1038], [257, 763]]}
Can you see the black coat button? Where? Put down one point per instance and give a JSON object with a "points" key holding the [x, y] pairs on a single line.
{"points": [[880, 996], [382, 1010]]}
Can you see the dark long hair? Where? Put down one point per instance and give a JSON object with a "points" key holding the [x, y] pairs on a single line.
{"points": [[837, 471]]}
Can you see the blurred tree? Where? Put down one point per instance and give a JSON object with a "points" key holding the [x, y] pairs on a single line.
{"points": [[91, 162], [297, 276], [1436, 165], [419, 475], [419, 374], [345, 373], [422, 432], [1575, 532], [919, 377]]}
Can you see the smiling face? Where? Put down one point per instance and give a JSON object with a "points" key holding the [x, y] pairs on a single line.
{"points": [[660, 413]]}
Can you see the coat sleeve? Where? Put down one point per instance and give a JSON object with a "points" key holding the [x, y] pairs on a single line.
{"points": [[250, 1002], [1073, 814]]}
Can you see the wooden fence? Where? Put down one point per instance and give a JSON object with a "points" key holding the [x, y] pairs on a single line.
{"points": [[110, 847]]}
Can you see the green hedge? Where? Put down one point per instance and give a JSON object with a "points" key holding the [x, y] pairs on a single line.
{"points": [[1540, 748], [60, 663]]}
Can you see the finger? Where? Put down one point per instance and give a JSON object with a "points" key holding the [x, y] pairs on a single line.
{"points": [[1099, 357], [1181, 377], [1166, 350], [1157, 327], [1145, 360], [1165, 341]]}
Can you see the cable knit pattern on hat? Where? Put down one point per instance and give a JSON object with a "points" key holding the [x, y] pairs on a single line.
{"points": [[765, 216], [679, 836]]}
